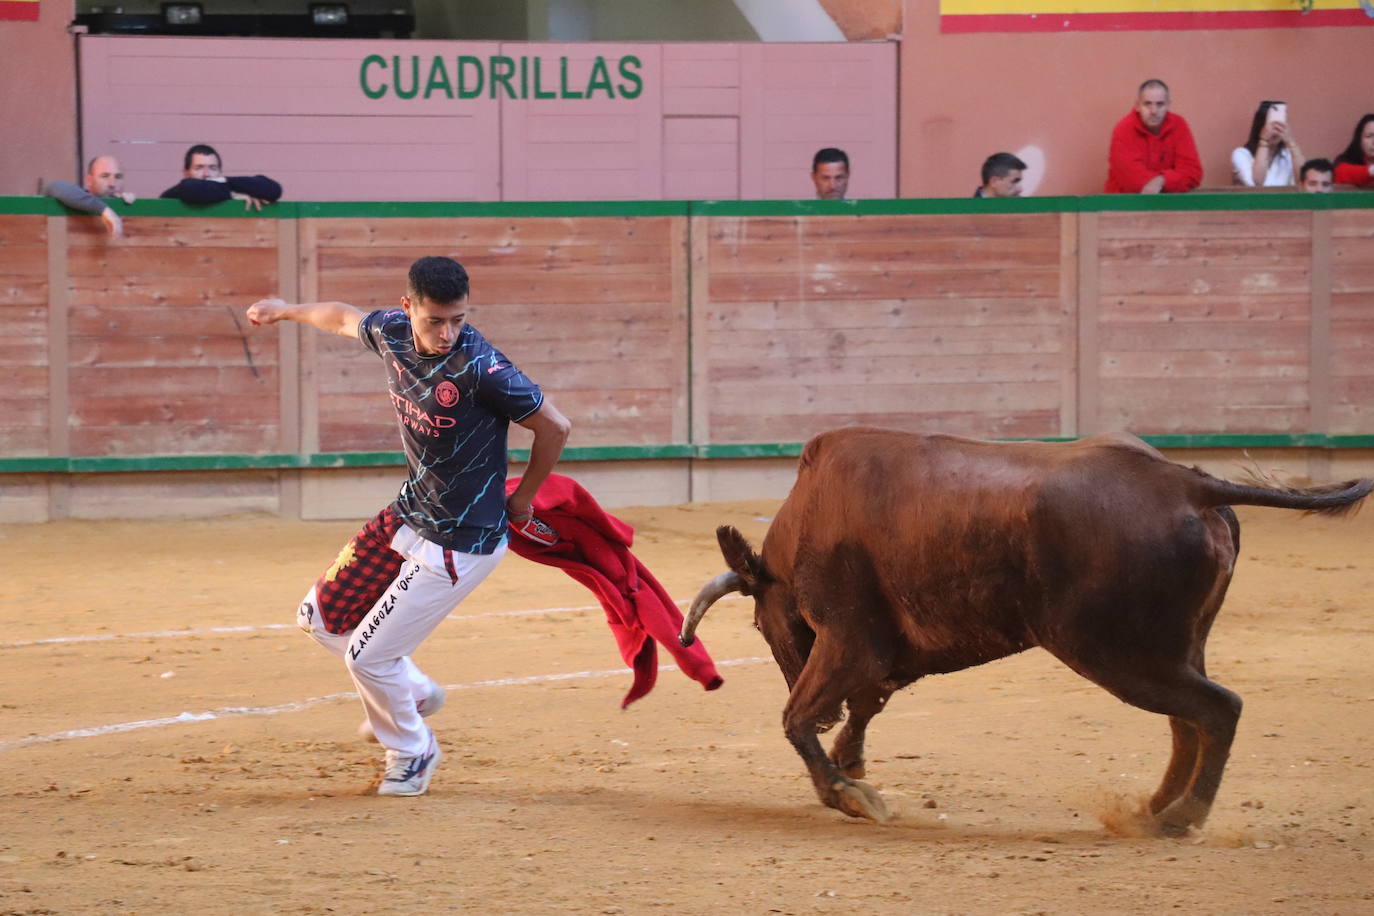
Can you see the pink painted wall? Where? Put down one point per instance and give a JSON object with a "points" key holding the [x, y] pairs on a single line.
{"points": [[1057, 96], [706, 120], [38, 104]]}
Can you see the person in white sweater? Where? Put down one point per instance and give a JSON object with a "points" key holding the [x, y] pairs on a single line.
{"points": [[1270, 158]]}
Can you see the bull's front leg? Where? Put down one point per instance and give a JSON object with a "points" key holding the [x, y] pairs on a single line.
{"points": [[824, 683], [847, 752]]}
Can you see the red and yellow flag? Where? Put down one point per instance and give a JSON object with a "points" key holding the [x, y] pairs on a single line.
{"points": [[19, 9], [1123, 15]]}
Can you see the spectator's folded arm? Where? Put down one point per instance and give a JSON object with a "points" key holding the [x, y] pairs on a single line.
{"points": [[259, 186], [198, 191], [75, 196]]}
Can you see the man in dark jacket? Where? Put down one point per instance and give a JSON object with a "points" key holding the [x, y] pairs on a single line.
{"points": [[205, 183], [1152, 148]]}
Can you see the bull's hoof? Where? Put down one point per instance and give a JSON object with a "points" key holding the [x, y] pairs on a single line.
{"points": [[1181, 814], [859, 799]]}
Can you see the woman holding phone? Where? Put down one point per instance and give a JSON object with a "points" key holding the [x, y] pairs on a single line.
{"points": [[1271, 157], [1356, 165]]}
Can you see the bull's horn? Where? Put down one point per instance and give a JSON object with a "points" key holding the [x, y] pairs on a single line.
{"points": [[710, 593]]}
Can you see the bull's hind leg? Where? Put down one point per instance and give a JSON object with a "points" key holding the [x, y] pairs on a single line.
{"points": [[829, 677], [847, 753], [1203, 715], [1183, 761]]}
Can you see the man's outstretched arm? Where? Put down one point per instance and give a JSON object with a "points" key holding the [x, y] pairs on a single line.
{"points": [[335, 317]]}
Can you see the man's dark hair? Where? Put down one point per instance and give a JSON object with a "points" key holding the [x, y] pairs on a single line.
{"points": [[202, 150], [440, 280], [999, 165], [1315, 165], [1150, 83], [829, 154], [1353, 154]]}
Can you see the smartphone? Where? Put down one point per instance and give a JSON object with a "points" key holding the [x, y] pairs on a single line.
{"points": [[1277, 112]]}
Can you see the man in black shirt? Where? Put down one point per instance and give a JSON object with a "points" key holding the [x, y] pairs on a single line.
{"points": [[455, 396], [205, 183]]}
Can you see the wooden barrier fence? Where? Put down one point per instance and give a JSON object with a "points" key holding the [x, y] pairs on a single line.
{"points": [[693, 331]]}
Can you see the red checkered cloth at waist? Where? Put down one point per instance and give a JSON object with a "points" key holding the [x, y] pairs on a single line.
{"points": [[360, 574]]}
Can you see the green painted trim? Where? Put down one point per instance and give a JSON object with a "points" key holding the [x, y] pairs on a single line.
{"points": [[34, 465], [349, 460], [1239, 201], [99, 465], [46, 206], [885, 207], [144, 463], [30, 206], [229, 209], [499, 209], [624, 453], [1224, 201], [751, 450], [1233, 201], [1240, 440]]}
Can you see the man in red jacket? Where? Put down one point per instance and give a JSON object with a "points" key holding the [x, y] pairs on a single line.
{"points": [[1152, 148]]}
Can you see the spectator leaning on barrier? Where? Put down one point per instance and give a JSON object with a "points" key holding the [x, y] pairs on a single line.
{"points": [[830, 173], [1271, 155], [1001, 176], [1355, 165], [1152, 148], [104, 179], [1315, 177], [204, 182]]}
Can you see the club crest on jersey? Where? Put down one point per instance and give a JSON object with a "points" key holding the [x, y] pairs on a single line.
{"points": [[446, 394]]}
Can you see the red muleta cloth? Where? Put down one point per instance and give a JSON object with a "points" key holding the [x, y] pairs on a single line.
{"points": [[594, 548]]}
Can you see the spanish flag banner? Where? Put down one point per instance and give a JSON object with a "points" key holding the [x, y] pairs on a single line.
{"points": [[1139, 15], [19, 9]]}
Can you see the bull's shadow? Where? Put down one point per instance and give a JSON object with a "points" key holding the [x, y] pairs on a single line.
{"points": [[899, 555]]}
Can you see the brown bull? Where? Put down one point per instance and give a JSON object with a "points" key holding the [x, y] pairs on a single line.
{"points": [[899, 555]]}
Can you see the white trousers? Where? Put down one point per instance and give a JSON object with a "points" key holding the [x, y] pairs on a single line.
{"points": [[377, 652]]}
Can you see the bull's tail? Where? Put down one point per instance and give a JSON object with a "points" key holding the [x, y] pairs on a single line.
{"points": [[1325, 499]]}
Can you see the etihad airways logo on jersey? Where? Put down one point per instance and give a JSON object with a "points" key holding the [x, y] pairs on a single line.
{"points": [[421, 421]]}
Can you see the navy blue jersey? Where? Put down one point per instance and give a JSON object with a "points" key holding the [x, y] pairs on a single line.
{"points": [[454, 410]]}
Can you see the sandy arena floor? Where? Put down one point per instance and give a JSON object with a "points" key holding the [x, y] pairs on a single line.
{"points": [[551, 799]]}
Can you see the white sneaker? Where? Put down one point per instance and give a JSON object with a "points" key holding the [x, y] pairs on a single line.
{"points": [[410, 775], [426, 706]]}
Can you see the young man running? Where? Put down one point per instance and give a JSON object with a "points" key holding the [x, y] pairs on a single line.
{"points": [[455, 396]]}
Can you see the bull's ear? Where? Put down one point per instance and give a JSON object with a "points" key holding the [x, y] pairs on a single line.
{"points": [[740, 557]]}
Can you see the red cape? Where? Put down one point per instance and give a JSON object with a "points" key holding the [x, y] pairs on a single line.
{"points": [[594, 548]]}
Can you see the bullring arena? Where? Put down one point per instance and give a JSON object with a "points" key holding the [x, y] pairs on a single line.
{"points": [[173, 744], [173, 479]]}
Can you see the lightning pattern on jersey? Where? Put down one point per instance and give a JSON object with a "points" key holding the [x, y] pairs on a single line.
{"points": [[455, 492]]}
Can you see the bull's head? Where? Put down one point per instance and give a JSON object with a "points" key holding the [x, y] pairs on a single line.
{"points": [[745, 576]]}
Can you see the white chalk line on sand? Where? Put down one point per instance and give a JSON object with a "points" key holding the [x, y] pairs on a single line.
{"points": [[230, 712], [252, 628]]}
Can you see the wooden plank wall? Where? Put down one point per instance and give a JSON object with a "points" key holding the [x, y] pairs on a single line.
{"points": [[24, 349], [161, 360], [593, 309], [1203, 322], [955, 323], [777, 326], [1352, 321]]}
